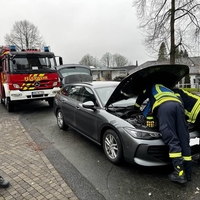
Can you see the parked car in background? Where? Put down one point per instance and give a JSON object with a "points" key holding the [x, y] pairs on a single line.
{"points": [[103, 112], [72, 69]]}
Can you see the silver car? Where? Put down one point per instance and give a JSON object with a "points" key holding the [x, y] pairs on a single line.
{"points": [[103, 112]]}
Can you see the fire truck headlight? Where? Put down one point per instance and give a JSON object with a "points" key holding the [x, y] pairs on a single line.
{"points": [[16, 86], [55, 83]]}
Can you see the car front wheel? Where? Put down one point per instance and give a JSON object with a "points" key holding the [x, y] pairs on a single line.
{"points": [[112, 147], [60, 120]]}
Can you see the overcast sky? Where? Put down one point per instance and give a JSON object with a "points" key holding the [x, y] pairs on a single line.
{"points": [[74, 28]]}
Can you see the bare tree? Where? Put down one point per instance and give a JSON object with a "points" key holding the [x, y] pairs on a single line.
{"points": [[107, 59], [175, 22], [119, 60], [24, 35], [89, 60]]}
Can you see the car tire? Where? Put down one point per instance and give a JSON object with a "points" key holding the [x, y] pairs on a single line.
{"points": [[60, 120], [112, 147]]}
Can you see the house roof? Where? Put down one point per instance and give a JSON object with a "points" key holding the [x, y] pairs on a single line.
{"points": [[192, 62], [128, 68]]}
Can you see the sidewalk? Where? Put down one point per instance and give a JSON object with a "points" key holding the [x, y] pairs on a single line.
{"points": [[23, 164]]}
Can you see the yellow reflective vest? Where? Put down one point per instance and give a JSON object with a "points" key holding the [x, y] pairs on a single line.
{"points": [[191, 104]]}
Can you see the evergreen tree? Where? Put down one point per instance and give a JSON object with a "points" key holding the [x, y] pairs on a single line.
{"points": [[181, 54], [185, 54], [187, 77], [162, 54], [177, 53]]}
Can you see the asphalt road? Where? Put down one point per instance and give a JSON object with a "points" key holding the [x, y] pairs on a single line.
{"points": [[87, 171]]}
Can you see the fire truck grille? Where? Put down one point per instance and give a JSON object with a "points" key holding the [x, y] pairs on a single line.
{"points": [[36, 85]]}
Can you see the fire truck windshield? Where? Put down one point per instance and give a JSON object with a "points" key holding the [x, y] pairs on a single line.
{"points": [[30, 64]]}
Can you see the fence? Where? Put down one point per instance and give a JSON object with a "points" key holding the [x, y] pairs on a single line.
{"points": [[190, 87]]}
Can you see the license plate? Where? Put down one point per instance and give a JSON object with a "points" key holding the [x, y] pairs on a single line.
{"points": [[194, 141], [37, 92]]}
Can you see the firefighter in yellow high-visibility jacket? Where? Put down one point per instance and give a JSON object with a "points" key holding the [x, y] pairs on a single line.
{"points": [[168, 109]]}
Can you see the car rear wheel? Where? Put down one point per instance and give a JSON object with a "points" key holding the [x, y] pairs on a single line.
{"points": [[60, 120], [112, 147]]}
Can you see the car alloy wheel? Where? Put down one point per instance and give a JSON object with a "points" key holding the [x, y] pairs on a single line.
{"points": [[112, 146], [60, 120]]}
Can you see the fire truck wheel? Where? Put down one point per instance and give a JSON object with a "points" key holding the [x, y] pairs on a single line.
{"points": [[2, 101], [9, 105], [50, 101]]}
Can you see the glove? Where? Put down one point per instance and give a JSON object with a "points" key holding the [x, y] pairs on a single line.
{"points": [[150, 120]]}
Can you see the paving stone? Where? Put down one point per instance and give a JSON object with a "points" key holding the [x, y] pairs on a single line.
{"points": [[23, 164]]}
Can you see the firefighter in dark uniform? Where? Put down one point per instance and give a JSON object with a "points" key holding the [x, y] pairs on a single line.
{"points": [[191, 104], [168, 109]]}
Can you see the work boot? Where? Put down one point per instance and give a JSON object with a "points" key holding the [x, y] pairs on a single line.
{"points": [[178, 175], [3, 183], [188, 169]]}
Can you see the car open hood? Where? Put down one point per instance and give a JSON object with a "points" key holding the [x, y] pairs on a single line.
{"points": [[132, 85]]}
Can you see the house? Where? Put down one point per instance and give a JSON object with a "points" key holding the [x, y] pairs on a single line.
{"points": [[111, 73], [192, 62]]}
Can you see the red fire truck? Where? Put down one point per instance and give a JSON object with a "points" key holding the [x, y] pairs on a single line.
{"points": [[27, 75]]}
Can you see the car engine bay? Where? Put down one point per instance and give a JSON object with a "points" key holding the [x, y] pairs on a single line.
{"points": [[135, 118]]}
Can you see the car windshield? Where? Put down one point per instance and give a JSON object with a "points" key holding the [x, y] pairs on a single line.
{"points": [[74, 70], [104, 94]]}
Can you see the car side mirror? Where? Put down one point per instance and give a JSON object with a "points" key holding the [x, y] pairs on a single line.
{"points": [[89, 105]]}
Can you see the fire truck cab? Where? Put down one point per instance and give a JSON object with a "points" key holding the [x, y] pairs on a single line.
{"points": [[27, 75]]}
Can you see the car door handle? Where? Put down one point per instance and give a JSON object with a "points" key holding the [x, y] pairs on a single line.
{"points": [[77, 107]]}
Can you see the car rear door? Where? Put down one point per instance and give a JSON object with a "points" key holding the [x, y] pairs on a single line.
{"points": [[69, 103]]}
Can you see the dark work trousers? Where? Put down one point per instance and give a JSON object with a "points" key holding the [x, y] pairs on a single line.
{"points": [[174, 130]]}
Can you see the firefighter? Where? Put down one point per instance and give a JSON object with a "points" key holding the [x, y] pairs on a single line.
{"points": [[191, 104], [168, 109]]}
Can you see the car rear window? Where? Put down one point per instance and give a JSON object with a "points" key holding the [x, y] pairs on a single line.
{"points": [[75, 70]]}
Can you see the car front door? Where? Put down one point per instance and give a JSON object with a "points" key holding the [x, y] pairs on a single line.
{"points": [[87, 119]]}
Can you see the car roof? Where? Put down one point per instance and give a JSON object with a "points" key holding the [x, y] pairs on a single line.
{"points": [[98, 84]]}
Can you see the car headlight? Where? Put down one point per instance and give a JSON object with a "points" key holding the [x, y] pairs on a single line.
{"points": [[142, 134]]}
